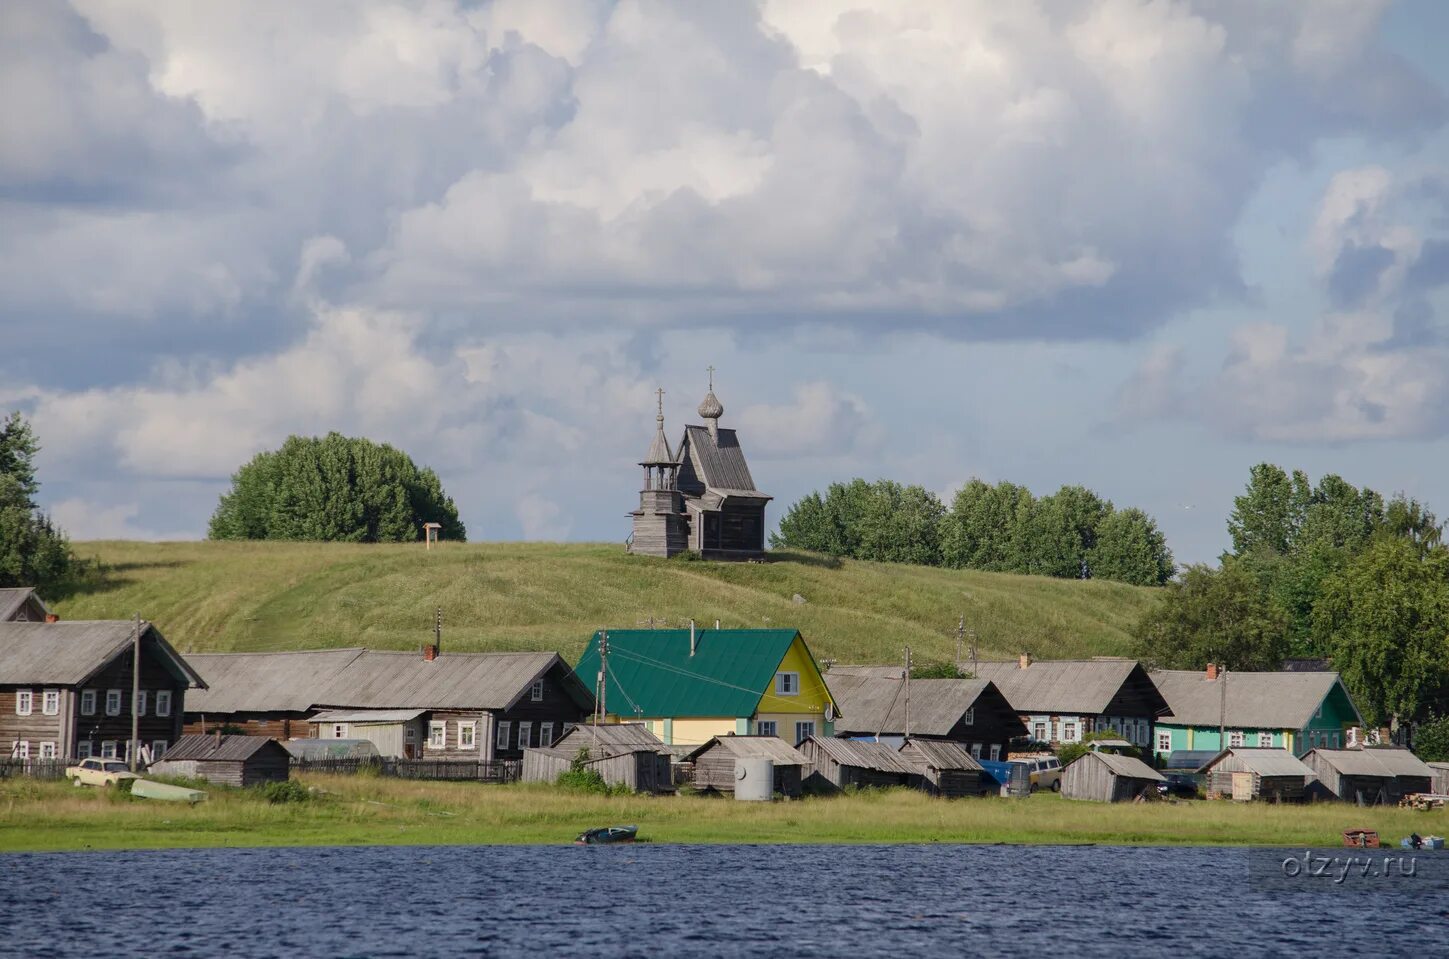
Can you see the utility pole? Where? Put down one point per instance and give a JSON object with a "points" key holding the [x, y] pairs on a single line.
{"points": [[438, 630], [908, 692], [135, 691], [960, 634], [1222, 707], [974, 670], [601, 688]]}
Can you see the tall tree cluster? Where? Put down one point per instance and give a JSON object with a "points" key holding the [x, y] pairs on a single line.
{"points": [[1325, 570], [33, 552], [1071, 533], [337, 488]]}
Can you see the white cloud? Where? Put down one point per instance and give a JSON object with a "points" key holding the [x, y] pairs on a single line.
{"points": [[820, 420], [541, 518], [85, 520]]}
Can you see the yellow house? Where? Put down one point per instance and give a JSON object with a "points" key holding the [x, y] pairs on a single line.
{"points": [[691, 685]]}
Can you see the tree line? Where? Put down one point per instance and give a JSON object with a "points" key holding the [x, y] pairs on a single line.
{"points": [[1325, 571], [33, 551], [1072, 533]]}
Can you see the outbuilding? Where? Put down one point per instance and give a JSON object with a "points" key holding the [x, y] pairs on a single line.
{"points": [[1370, 776], [1441, 778], [623, 754], [1245, 773], [226, 760], [842, 763], [1105, 777], [946, 768], [715, 762]]}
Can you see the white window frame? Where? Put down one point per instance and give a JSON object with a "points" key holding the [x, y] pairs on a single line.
{"points": [[535, 693], [545, 735], [1041, 730], [141, 702], [108, 749], [84, 749], [1071, 731], [50, 702], [804, 729], [525, 735], [163, 702], [975, 750], [339, 731], [47, 750], [970, 718], [437, 734], [766, 727], [21, 749], [1265, 740], [24, 702], [995, 751], [787, 684], [158, 748], [88, 702], [1335, 740], [505, 728], [1235, 739], [1164, 740], [113, 696], [467, 735]]}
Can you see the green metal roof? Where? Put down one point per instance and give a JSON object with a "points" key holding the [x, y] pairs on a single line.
{"points": [[652, 669]]}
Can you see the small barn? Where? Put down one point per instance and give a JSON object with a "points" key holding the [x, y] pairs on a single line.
{"points": [[841, 763], [1370, 776], [226, 760], [623, 754], [1441, 778], [1245, 773], [1104, 777], [714, 762], [947, 768]]}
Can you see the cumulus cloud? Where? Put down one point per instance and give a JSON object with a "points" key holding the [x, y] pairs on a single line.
{"points": [[820, 420]]}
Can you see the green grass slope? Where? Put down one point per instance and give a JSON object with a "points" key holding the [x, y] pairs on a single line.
{"points": [[520, 596]]}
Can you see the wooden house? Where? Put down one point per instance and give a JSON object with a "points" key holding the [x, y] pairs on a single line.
{"points": [[623, 754], [972, 712], [1105, 777], [1245, 773], [1215, 709], [700, 497], [846, 763], [1370, 776], [690, 686], [714, 762], [66, 690], [479, 706], [1441, 778], [946, 768], [23, 605], [1060, 701], [239, 761]]}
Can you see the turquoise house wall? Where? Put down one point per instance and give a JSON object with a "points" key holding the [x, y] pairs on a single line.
{"points": [[1335, 713]]}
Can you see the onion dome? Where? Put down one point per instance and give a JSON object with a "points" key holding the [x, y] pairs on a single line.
{"points": [[711, 408]]}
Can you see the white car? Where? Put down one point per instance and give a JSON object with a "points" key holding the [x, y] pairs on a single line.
{"points": [[98, 772], [1045, 773]]}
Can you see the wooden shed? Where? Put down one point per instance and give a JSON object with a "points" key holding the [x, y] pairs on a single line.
{"points": [[226, 760], [624, 754], [1441, 778], [842, 763], [1104, 777], [1369, 776], [714, 762], [947, 768], [1245, 773]]}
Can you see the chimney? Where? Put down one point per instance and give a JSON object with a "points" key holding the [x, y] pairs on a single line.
{"points": [[218, 735], [52, 618], [430, 653], [1212, 671], [693, 638], [716, 624], [1023, 661]]}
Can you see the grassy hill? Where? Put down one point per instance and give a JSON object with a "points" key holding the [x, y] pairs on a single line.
{"points": [[515, 596]]}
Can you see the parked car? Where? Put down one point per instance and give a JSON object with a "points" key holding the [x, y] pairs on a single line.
{"points": [[1181, 785], [98, 772], [1045, 773]]}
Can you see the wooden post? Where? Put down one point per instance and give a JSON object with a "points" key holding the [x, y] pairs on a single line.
{"points": [[908, 692], [135, 692], [1222, 708]]}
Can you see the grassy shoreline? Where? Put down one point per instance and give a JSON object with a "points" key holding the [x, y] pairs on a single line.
{"points": [[37, 817]]}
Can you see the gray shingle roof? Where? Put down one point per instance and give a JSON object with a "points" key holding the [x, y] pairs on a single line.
{"points": [[1264, 762], [1059, 685], [11, 599], [1125, 766], [1273, 700], [202, 747], [610, 739], [1374, 762], [364, 716], [763, 747], [866, 755], [265, 682], [70, 652], [938, 754], [871, 705], [720, 464]]}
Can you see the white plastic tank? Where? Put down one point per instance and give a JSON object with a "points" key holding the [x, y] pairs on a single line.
{"points": [[754, 779]]}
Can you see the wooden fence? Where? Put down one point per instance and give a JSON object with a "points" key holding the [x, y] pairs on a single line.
{"points": [[35, 768], [455, 770]]}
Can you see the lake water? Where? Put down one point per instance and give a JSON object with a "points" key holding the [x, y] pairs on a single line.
{"points": [[667, 900]]}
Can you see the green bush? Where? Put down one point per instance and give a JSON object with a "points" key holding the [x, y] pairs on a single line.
{"points": [[286, 791], [1431, 739], [581, 778]]}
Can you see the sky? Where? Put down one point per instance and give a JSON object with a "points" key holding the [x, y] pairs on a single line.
{"points": [[1139, 246]]}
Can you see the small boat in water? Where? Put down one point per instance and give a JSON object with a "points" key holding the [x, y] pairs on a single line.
{"points": [[607, 835], [148, 789]]}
